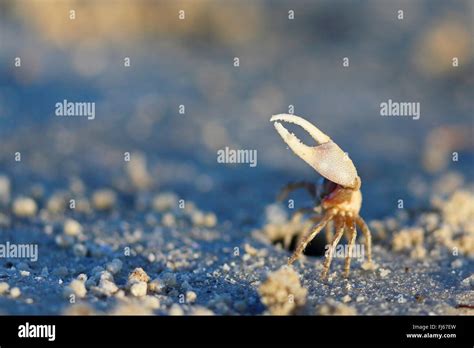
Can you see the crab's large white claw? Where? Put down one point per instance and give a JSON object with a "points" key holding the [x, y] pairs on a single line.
{"points": [[326, 158]]}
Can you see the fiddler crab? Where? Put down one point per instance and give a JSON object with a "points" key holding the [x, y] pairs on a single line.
{"points": [[338, 193]]}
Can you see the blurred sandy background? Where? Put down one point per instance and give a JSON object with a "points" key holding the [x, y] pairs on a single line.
{"points": [[190, 62]]}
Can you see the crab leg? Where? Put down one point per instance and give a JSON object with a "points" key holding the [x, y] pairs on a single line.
{"points": [[302, 245], [352, 236], [326, 158], [368, 238], [295, 219], [315, 219], [310, 187], [329, 234], [339, 226]]}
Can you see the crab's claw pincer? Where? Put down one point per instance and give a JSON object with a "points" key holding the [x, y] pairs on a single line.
{"points": [[326, 158]]}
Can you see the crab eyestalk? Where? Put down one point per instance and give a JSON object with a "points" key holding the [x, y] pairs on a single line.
{"points": [[327, 158]]}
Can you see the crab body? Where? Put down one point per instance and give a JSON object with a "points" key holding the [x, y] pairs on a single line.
{"points": [[346, 200], [338, 194]]}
